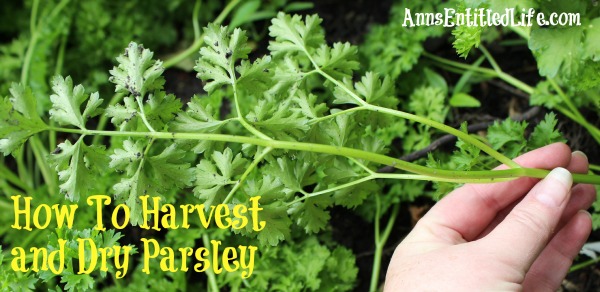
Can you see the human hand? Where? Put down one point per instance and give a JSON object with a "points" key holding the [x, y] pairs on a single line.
{"points": [[516, 235]]}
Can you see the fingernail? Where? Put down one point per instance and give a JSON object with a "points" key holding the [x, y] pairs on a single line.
{"points": [[579, 153], [552, 195], [586, 213]]}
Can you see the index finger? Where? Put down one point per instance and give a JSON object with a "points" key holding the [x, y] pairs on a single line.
{"points": [[479, 203]]}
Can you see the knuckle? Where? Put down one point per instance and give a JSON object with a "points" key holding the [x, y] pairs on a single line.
{"points": [[531, 221]]}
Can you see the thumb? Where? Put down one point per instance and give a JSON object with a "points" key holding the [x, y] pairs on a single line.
{"points": [[524, 233]]}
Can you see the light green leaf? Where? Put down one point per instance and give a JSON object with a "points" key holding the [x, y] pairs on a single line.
{"points": [[212, 177], [244, 12], [161, 108], [435, 80], [339, 61], [198, 117], [280, 119], [377, 91], [509, 136], [592, 39], [545, 133], [462, 99], [77, 164], [24, 102], [67, 100], [170, 169], [127, 157], [557, 50], [467, 37], [294, 35], [219, 57], [123, 115], [311, 213], [279, 224], [19, 119], [255, 77], [137, 73]]}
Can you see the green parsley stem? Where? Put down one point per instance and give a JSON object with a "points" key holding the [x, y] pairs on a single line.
{"points": [[490, 72], [333, 189], [250, 168], [343, 112], [210, 274], [435, 174], [40, 152], [462, 135], [195, 24], [583, 264], [15, 180], [195, 47], [380, 240], [440, 126]]}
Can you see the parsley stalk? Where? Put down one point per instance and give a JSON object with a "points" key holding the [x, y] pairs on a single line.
{"points": [[431, 174], [380, 240], [440, 126]]}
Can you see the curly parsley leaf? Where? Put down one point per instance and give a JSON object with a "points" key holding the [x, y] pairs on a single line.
{"points": [[292, 34], [306, 264], [122, 114], [544, 94], [371, 89], [340, 271], [70, 277], [392, 48], [545, 133], [339, 61], [9, 281], [311, 213], [508, 136], [123, 159], [278, 118], [161, 108], [467, 37], [212, 177]]}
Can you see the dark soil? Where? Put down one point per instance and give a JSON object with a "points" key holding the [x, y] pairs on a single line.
{"points": [[350, 21]]}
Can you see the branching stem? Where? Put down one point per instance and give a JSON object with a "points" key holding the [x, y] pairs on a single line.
{"points": [[435, 174]]}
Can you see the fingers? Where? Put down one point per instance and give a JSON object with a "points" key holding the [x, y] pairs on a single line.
{"points": [[578, 163], [480, 203], [527, 229], [548, 271], [581, 199]]}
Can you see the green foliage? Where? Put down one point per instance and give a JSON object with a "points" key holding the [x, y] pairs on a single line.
{"points": [[467, 37], [74, 281], [545, 133], [392, 48], [307, 265], [20, 119], [427, 102], [508, 136], [10, 281]]}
